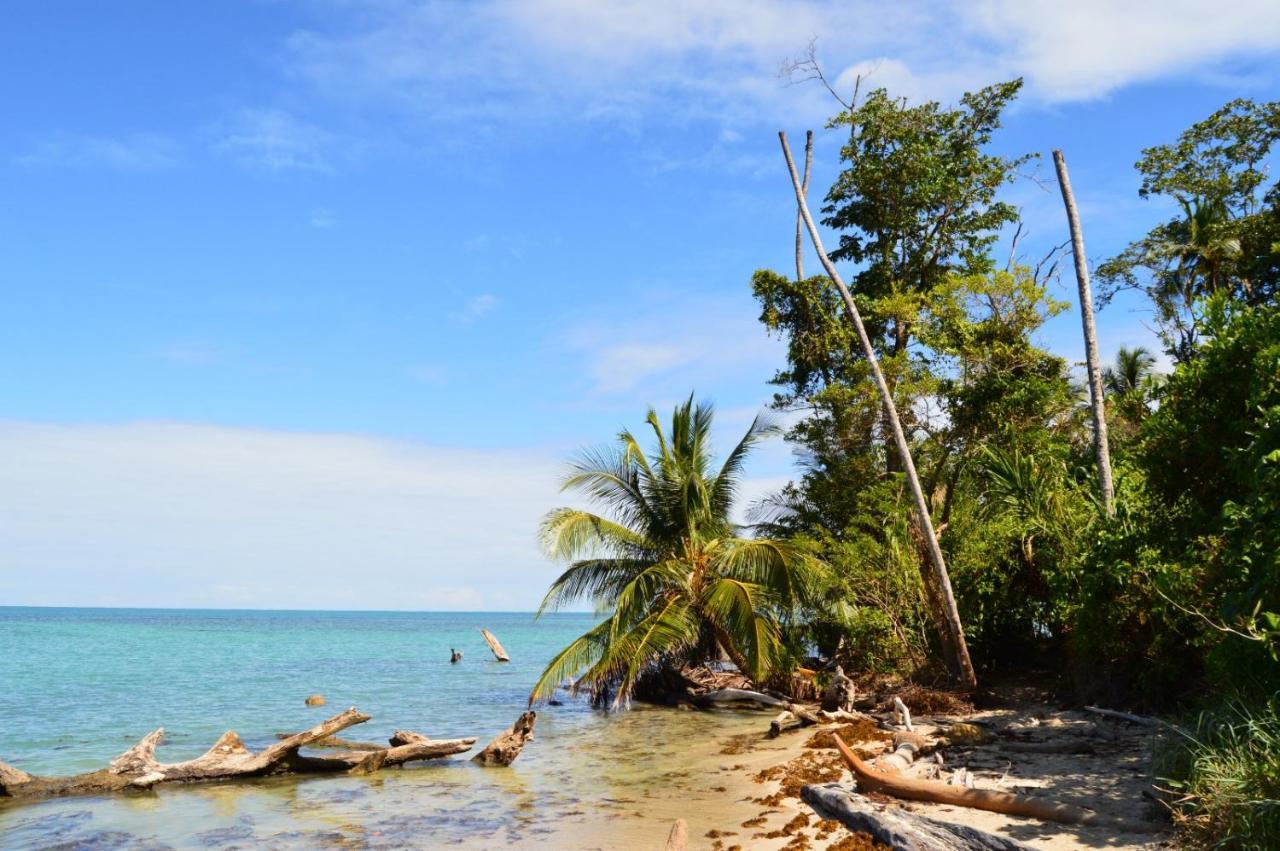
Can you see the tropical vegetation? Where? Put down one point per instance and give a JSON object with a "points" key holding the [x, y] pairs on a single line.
{"points": [[667, 564], [1168, 603]]}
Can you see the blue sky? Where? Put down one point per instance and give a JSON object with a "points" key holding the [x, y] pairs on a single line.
{"points": [[306, 301]]}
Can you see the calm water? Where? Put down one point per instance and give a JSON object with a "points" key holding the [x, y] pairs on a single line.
{"points": [[79, 686]]}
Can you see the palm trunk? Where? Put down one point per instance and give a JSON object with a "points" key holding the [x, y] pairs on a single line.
{"points": [[726, 644], [1101, 450], [804, 186], [961, 664]]}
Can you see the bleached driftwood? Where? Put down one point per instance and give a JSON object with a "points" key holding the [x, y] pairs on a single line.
{"points": [[783, 721], [840, 693], [495, 646], [137, 768], [1141, 720], [902, 713], [740, 695], [678, 839], [892, 783], [906, 747], [507, 746], [898, 829]]}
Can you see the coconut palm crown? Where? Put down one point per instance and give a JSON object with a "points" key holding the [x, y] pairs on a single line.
{"points": [[666, 565]]}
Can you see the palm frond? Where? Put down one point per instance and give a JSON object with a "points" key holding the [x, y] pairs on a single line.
{"points": [[597, 579], [580, 653], [740, 610], [570, 533]]}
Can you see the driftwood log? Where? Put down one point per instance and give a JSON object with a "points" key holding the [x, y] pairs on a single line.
{"points": [[1141, 720], [495, 646], [507, 746], [900, 830], [840, 693], [137, 768], [911, 789]]}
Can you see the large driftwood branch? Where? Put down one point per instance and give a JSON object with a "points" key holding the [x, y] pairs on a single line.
{"points": [[138, 768], [900, 830], [507, 746], [911, 789]]}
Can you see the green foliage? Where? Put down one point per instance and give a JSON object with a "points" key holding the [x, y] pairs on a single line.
{"points": [[1184, 585], [1225, 775], [1225, 238], [668, 565]]}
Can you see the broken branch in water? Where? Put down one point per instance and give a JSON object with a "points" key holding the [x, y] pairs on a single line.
{"points": [[495, 646], [138, 768]]}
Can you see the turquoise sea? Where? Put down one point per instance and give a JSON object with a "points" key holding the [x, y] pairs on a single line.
{"points": [[79, 686]]}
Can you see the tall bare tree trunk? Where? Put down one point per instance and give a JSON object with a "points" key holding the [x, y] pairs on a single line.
{"points": [[961, 664], [1100, 448], [804, 187]]}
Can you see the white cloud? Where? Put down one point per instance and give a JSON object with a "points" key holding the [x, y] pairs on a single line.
{"points": [[720, 58], [134, 152], [477, 307], [196, 515], [1090, 47], [323, 218], [673, 344], [273, 140]]}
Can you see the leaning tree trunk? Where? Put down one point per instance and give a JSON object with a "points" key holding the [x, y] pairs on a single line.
{"points": [[1100, 448], [961, 664], [804, 187]]}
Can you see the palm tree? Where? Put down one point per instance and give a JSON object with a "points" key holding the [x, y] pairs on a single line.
{"points": [[668, 565], [1132, 368], [1131, 382]]}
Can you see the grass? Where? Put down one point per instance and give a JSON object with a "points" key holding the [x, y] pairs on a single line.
{"points": [[1224, 773]]}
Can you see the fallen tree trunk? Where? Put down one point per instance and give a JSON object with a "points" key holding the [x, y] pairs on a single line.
{"points": [[507, 746], [492, 641], [739, 695], [137, 768], [934, 791], [1140, 720], [900, 830]]}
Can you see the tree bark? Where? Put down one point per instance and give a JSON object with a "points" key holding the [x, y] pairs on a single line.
{"points": [[137, 768], [804, 187], [1101, 450], [961, 664], [898, 829]]}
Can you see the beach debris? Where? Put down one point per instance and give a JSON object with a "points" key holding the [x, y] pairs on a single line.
{"points": [[137, 768], [902, 715], [935, 791], [335, 743], [897, 828], [455, 656], [740, 695], [1140, 720], [492, 641], [678, 839], [839, 693], [507, 746], [315, 700], [906, 746]]}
